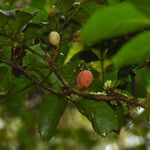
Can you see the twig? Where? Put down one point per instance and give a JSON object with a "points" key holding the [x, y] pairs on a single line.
{"points": [[33, 79], [69, 18], [133, 84], [102, 65], [123, 98], [111, 95], [17, 92], [34, 52]]}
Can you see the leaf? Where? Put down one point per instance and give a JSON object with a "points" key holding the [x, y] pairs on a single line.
{"points": [[113, 21], [39, 17], [143, 83], [5, 6], [113, 2], [135, 51], [87, 8], [33, 58], [21, 19], [39, 4], [65, 5], [70, 71], [15, 102], [98, 66], [104, 119], [14, 89], [8, 80], [76, 48], [5, 16], [49, 115], [142, 120], [143, 6], [33, 31], [24, 137], [4, 41], [55, 82]]}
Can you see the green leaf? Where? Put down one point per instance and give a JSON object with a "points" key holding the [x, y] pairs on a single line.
{"points": [[4, 41], [76, 48], [39, 4], [104, 119], [86, 9], [21, 19], [5, 6], [70, 71], [143, 83], [24, 137], [49, 115], [113, 21], [65, 5], [40, 16], [143, 6], [112, 2], [4, 76], [55, 82], [14, 89], [33, 59], [141, 121], [8, 80], [33, 31], [5, 16], [135, 51], [15, 102]]}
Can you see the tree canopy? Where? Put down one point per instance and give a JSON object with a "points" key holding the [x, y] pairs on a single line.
{"points": [[45, 44]]}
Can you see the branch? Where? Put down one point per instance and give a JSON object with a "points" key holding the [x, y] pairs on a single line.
{"points": [[59, 76], [69, 18], [133, 84], [29, 76], [123, 98], [17, 92], [110, 94], [38, 82], [34, 52]]}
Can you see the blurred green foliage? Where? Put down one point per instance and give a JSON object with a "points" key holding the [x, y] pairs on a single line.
{"points": [[114, 45]]}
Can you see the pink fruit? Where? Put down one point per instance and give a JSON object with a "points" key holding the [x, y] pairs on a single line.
{"points": [[84, 79]]}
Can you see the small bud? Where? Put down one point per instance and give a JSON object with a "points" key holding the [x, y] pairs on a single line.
{"points": [[108, 84], [54, 38], [76, 37], [84, 79]]}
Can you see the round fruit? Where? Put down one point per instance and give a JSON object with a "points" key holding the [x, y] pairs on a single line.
{"points": [[84, 79], [54, 38]]}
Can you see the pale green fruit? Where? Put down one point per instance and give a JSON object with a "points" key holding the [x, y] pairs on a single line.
{"points": [[54, 38]]}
